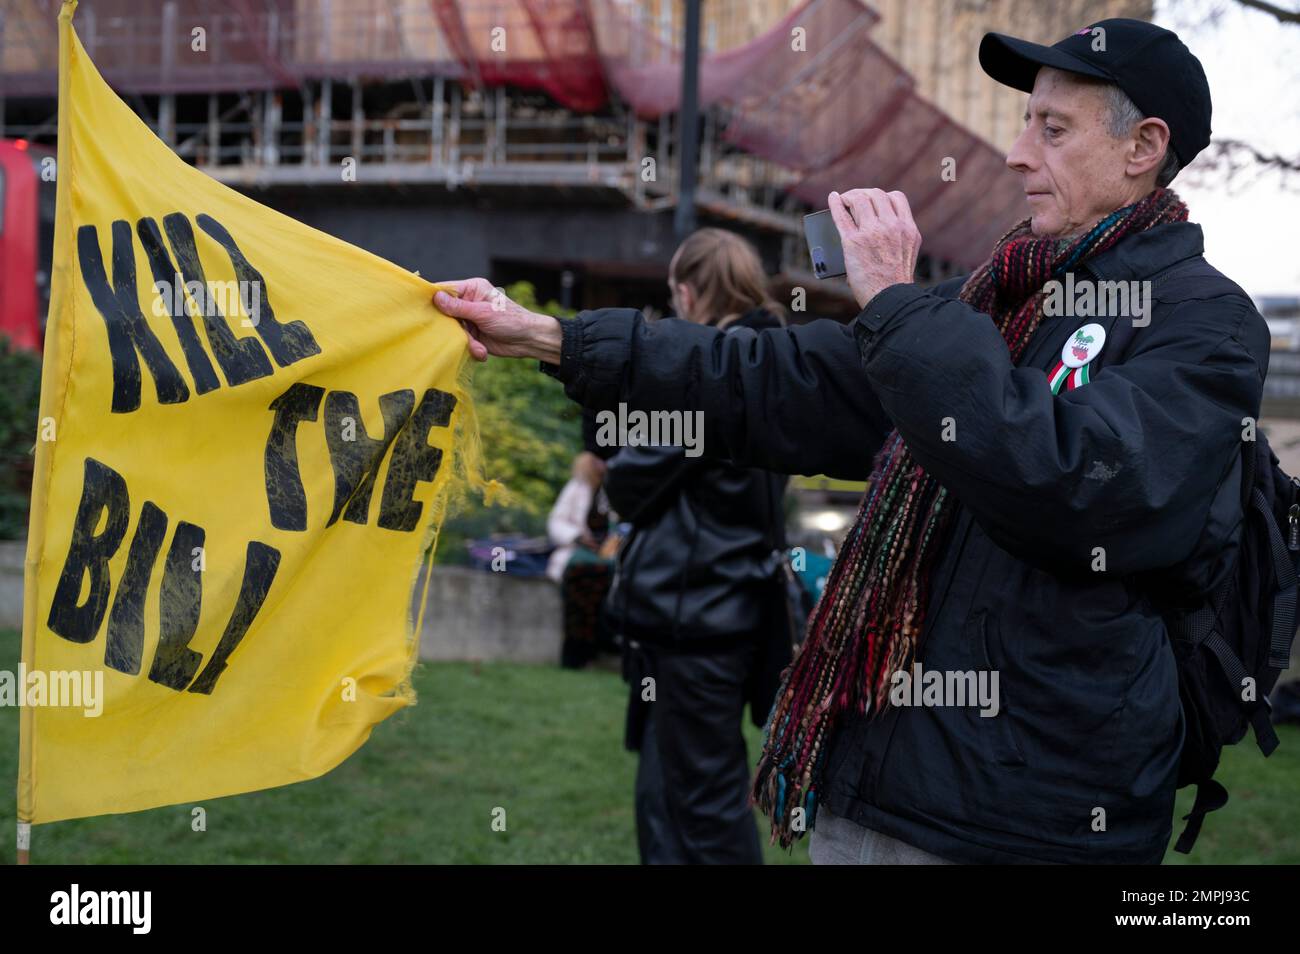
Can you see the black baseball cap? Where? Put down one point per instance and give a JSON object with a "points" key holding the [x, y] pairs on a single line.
{"points": [[1149, 63]]}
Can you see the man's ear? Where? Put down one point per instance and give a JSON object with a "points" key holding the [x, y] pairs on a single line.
{"points": [[1150, 146]]}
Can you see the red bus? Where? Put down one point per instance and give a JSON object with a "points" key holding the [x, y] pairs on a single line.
{"points": [[26, 240]]}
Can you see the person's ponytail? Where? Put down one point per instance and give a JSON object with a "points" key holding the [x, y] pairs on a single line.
{"points": [[725, 275]]}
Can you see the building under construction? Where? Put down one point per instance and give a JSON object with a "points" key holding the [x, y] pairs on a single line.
{"points": [[541, 139]]}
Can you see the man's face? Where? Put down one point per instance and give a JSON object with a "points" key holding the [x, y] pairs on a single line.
{"points": [[1072, 169]]}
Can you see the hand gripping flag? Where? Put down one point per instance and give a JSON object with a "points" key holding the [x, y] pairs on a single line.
{"points": [[248, 432]]}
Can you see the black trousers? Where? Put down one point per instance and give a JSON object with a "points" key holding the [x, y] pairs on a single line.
{"points": [[692, 781]]}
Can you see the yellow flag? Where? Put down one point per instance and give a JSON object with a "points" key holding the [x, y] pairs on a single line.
{"points": [[248, 432]]}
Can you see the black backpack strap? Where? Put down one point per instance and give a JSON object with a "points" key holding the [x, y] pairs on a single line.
{"points": [[1197, 626], [1198, 629], [1210, 797], [1265, 736], [1261, 717]]}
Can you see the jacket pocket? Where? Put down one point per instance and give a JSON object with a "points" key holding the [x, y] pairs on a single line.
{"points": [[995, 731]]}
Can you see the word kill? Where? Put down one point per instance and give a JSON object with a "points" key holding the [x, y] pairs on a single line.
{"points": [[241, 359]]}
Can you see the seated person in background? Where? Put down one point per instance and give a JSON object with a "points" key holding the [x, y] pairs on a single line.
{"points": [[582, 562], [571, 521]]}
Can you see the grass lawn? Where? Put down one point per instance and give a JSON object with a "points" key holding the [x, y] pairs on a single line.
{"points": [[544, 744]]}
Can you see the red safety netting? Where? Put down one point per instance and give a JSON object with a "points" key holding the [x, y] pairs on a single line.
{"points": [[557, 52], [646, 69], [841, 112], [838, 113]]}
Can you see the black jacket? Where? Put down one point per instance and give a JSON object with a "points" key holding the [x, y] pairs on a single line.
{"points": [[1139, 465], [698, 570]]}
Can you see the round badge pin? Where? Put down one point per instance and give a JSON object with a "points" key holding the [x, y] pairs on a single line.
{"points": [[1082, 346]]}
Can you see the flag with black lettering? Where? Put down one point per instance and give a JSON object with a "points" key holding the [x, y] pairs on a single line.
{"points": [[248, 433]]}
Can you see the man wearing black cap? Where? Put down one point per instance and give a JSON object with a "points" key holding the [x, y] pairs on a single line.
{"points": [[1053, 445]]}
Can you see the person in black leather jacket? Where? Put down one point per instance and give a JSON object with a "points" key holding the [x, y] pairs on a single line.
{"points": [[697, 598]]}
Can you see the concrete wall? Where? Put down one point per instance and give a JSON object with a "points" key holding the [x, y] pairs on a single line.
{"points": [[475, 615], [12, 554]]}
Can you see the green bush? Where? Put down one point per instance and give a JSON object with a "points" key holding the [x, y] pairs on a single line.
{"points": [[20, 398], [531, 432]]}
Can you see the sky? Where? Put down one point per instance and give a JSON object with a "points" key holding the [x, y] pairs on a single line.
{"points": [[1252, 224]]}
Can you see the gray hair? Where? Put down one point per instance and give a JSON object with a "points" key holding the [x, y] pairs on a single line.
{"points": [[1122, 115]]}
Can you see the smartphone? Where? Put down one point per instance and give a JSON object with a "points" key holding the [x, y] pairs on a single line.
{"points": [[824, 244]]}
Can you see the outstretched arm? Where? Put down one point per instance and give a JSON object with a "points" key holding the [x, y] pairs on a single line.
{"points": [[793, 400]]}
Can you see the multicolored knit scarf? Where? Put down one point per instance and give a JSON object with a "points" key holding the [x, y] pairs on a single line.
{"points": [[867, 623]]}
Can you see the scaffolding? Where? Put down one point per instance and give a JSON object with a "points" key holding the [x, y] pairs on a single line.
{"points": [[556, 94]]}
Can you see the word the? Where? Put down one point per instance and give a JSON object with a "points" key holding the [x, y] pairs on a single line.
{"points": [[355, 457]]}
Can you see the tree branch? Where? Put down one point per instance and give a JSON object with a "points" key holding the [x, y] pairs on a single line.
{"points": [[1282, 14], [1274, 161]]}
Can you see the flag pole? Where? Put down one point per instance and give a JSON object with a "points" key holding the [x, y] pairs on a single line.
{"points": [[51, 365], [24, 843]]}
